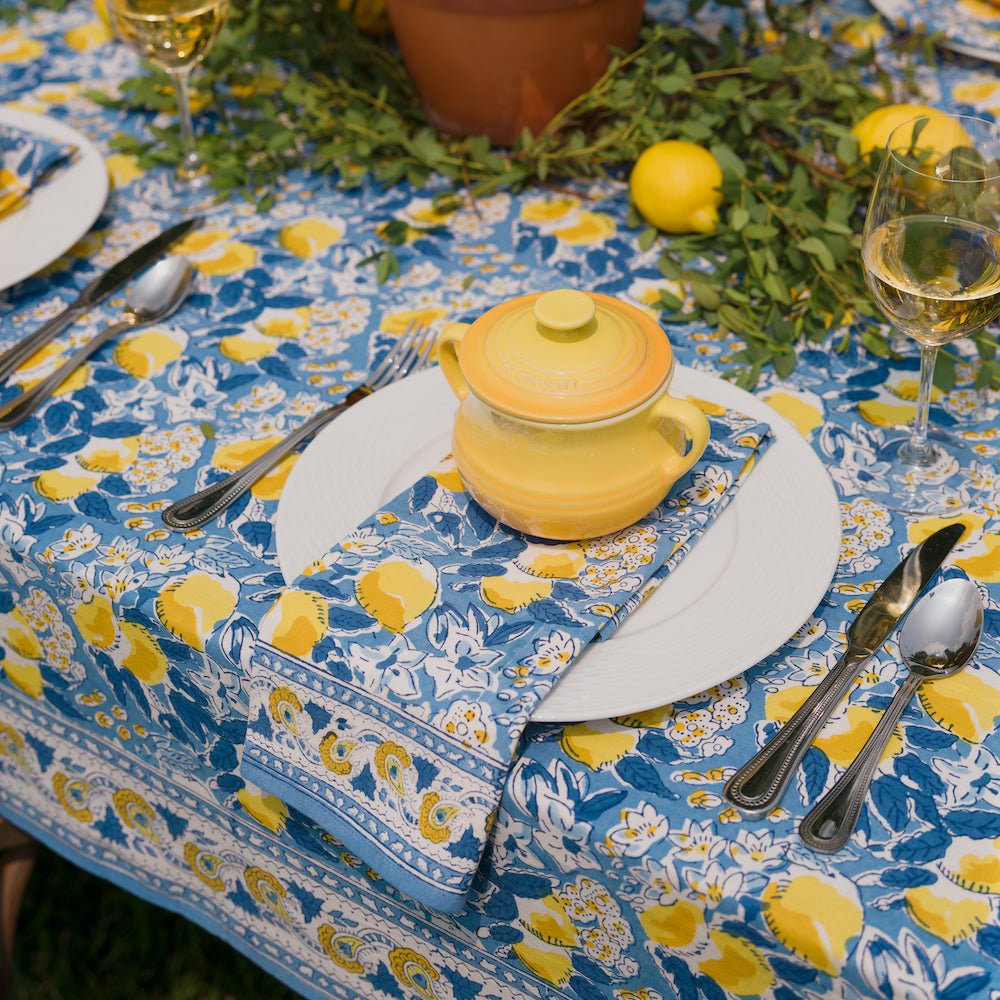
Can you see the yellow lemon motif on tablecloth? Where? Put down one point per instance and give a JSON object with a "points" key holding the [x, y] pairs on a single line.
{"points": [[966, 704], [909, 389], [919, 530], [740, 968], [652, 718], [191, 608], [984, 565], [18, 635], [310, 237], [270, 485], [598, 744], [546, 918], [781, 705], [123, 168], [679, 925], [540, 210], [87, 37], [398, 322], [66, 483], [590, 227], [814, 915], [448, 479], [550, 964], [246, 347], [513, 591], [563, 562], [211, 252], [236, 454], [885, 414], [149, 352], [50, 350], [141, 654], [15, 46], [296, 622], [268, 810], [95, 621], [77, 380], [23, 674], [947, 911], [108, 455], [397, 592], [843, 737], [286, 324], [805, 410], [973, 864]]}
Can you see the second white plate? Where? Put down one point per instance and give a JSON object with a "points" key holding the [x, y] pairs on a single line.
{"points": [[750, 582], [58, 212]]}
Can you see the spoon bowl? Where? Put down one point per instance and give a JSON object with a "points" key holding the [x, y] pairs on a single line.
{"points": [[937, 640], [155, 296]]}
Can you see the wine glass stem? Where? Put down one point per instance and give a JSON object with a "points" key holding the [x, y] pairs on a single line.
{"points": [[918, 449], [190, 165]]}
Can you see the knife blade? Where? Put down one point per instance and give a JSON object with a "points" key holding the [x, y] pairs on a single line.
{"points": [[758, 786], [95, 292]]}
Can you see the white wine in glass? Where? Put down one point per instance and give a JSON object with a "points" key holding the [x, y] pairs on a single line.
{"points": [[175, 35], [931, 257]]}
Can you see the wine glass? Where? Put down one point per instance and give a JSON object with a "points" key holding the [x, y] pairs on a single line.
{"points": [[931, 258], [175, 35]]}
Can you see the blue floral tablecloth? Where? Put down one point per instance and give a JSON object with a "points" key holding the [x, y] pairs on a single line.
{"points": [[615, 869]]}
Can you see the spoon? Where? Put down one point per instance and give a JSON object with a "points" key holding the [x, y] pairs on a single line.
{"points": [[939, 637], [155, 296]]}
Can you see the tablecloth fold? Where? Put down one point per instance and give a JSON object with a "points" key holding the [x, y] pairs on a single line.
{"points": [[26, 160], [390, 685]]}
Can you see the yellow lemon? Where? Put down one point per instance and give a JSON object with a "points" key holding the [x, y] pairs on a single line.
{"points": [[985, 567], [552, 965], [296, 622], [309, 237], [24, 675], [590, 227], [550, 923], [973, 864], [19, 636], [247, 347], [816, 916], [64, 484], [510, 594], [675, 187], [966, 704], [598, 744], [101, 9], [548, 209], [95, 621], [946, 911], [396, 592], [106, 455], [940, 134], [802, 412], [231, 457], [269, 486], [192, 607], [148, 353], [740, 967], [675, 925], [142, 654], [268, 810]]}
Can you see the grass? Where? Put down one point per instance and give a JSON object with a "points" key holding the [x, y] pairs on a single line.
{"points": [[80, 938]]}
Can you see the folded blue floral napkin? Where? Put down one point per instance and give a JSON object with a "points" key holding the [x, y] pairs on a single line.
{"points": [[26, 160], [389, 688]]}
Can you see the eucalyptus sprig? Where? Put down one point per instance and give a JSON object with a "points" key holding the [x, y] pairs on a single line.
{"points": [[296, 84]]}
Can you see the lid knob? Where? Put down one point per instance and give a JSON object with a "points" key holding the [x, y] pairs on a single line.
{"points": [[564, 309]]}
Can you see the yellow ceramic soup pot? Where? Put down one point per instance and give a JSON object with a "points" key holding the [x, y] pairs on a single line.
{"points": [[565, 428]]}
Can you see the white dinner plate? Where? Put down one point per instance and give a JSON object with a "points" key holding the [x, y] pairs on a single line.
{"points": [[757, 574], [60, 211]]}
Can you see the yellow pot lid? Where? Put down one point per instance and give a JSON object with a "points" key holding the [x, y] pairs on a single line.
{"points": [[565, 357]]}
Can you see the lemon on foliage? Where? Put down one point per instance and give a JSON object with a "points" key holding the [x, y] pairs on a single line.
{"points": [[675, 187], [939, 134]]}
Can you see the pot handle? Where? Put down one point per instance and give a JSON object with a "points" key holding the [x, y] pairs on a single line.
{"points": [[448, 341], [695, 425]]}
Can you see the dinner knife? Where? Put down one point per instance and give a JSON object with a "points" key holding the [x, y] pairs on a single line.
{"points": [[95, 292], [758, 786]]}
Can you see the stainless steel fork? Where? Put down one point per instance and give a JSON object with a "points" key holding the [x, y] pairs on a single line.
{"points": [[405, 357]]}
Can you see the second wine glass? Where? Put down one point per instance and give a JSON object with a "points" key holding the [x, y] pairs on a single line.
{"points": [[175, 35], [931, 257]]}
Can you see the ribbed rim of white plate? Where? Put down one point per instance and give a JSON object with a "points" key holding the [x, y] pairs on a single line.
{"points": [[64, 209], [773, 582]]}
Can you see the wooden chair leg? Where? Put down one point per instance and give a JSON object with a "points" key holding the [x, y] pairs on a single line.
{"points": [[17, 858]]}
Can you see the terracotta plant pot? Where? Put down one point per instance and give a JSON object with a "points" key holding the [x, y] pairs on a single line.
{"points": [[495, 66]]}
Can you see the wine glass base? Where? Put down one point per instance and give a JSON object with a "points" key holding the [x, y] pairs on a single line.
{"points": [[936, 485]]}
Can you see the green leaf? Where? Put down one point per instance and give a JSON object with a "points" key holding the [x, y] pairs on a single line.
{"points": [[648, 237], [944, 371], [738, 218], [767, 67], [814, 246]]}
